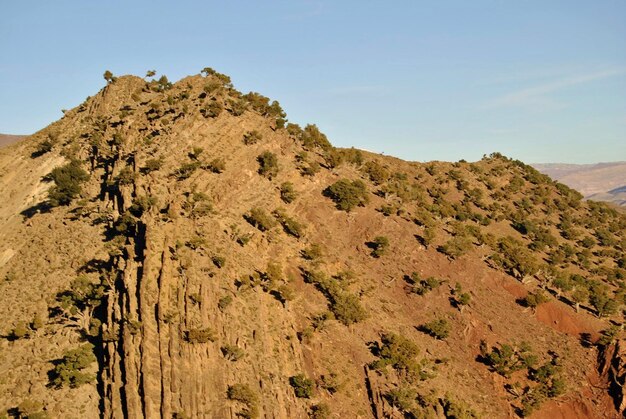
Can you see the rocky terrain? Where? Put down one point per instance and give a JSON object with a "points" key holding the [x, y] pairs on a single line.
{"points": [[599, 182], [181, 250]]}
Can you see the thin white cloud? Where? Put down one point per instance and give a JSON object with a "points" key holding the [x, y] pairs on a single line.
{"points": [[538, 95], [357, 90]]}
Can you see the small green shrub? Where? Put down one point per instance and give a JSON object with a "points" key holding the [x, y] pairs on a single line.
{"points": [[224, 302], [514, 258], [330, 382], [152, 165], [379, 246], [68, 180], [397, 351], [200, 335], [460, 298], [38, 322], [20, 331], [108, 76], [268, 164], [402, 398], [347, 194], [125, 177], [196, 242], [287, 192], [439, 328], [535, 299], [195, 153], [302, 386], [347, 308], [313, 252], [506, 359], [218, 261], [456, 247], [30, 409], [291, 226], [252, 137], [69, 370], [198, 204], [376, 172], [242, 393], [212, 109], [217, 165], [320, 411], [311, 138], [260, 219], [186, 170], [43, 148], [232, 352], [237, 107], [423, 286]]}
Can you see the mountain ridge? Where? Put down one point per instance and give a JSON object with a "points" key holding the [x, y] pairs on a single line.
{"points": [[241, 265]]}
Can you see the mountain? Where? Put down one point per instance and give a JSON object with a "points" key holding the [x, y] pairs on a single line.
{"points": [[180, 250], [6, 139], [594, 181]]}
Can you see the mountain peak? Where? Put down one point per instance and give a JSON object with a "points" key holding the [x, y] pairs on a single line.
{"points": [[204, 257]]}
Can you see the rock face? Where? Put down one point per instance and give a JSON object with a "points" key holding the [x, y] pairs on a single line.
{"points": [[245, 267], [613, 368]]}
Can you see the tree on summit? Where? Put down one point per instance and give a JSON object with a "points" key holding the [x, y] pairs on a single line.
{"points": [[109, 77]]}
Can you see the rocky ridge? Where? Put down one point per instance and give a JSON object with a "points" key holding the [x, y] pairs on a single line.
{"points": [[223, 247]]}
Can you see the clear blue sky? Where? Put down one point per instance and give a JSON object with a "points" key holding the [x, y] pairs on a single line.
{"points": [[542, 81]]}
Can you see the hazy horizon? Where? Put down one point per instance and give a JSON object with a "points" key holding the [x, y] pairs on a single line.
{"points": [[543, 83]]}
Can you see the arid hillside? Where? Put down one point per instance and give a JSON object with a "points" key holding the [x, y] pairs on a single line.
{"points": [[181, 250]]}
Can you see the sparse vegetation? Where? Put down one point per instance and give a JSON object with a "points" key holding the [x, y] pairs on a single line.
{"points": [[287, 192], [268, 164], [68, 180], [252, 137], [260, 219], [218, 261], [347, 194], [242, 393], [456, 247], [506, 358], [346, 307], [401, 354], [379, 246], [159, 236], [302, 386], [422, 286], [535, 299], [224, 302], [69, 371], [313, 252], [232, 352], [217, 165], [200, 335], [439, 328], [291, 226]]}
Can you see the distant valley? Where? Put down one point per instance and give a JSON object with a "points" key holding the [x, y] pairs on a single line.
{"points": [[599, 182], [6, 139]]}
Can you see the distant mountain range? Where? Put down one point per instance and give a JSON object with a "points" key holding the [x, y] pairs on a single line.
{"points": [[6, 139], [599, 182]]}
